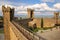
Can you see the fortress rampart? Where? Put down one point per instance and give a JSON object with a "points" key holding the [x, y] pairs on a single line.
{"points": [[14, 31]]}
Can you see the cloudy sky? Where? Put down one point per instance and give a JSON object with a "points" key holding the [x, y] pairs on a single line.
{"points": [[45, 7]]}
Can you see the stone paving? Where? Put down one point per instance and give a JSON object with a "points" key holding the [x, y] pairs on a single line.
{"points": [[50, 35], [1, 36]]}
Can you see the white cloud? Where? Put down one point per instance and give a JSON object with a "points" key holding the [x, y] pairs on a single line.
{"points": [[1, 11], [11, 6], [36, 7], [57, 5], [20, 8], [21, 12], [41, 7]]}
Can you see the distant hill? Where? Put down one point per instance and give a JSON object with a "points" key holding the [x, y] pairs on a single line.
{"points": [[36, 16]]}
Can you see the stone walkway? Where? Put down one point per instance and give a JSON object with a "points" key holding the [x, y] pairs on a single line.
{"points": [[1, 36], [50, 35]]}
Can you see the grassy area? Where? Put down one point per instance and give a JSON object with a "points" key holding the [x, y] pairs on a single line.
{"points": [[47, 28], [1, 31], [36, 29]]}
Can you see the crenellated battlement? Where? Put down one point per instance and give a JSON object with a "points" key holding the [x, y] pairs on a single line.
{"points": [[30, 13], [28, 9], [56, 17], [8, 14], [18, 30], [4, 9]]}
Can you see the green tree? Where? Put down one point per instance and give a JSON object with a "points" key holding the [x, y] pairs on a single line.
{"points": [[41, 22]]}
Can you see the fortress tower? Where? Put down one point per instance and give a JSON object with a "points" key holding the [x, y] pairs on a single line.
{"points": [[8, 15], [56, 17], [11, 14], [30, 13]]}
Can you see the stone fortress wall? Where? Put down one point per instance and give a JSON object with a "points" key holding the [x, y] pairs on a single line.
{"points": [[14, 33], [12, 30], [47, 22]]}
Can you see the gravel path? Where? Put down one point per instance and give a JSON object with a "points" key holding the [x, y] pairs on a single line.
{"points": [[50, 35], [1, 36]]}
